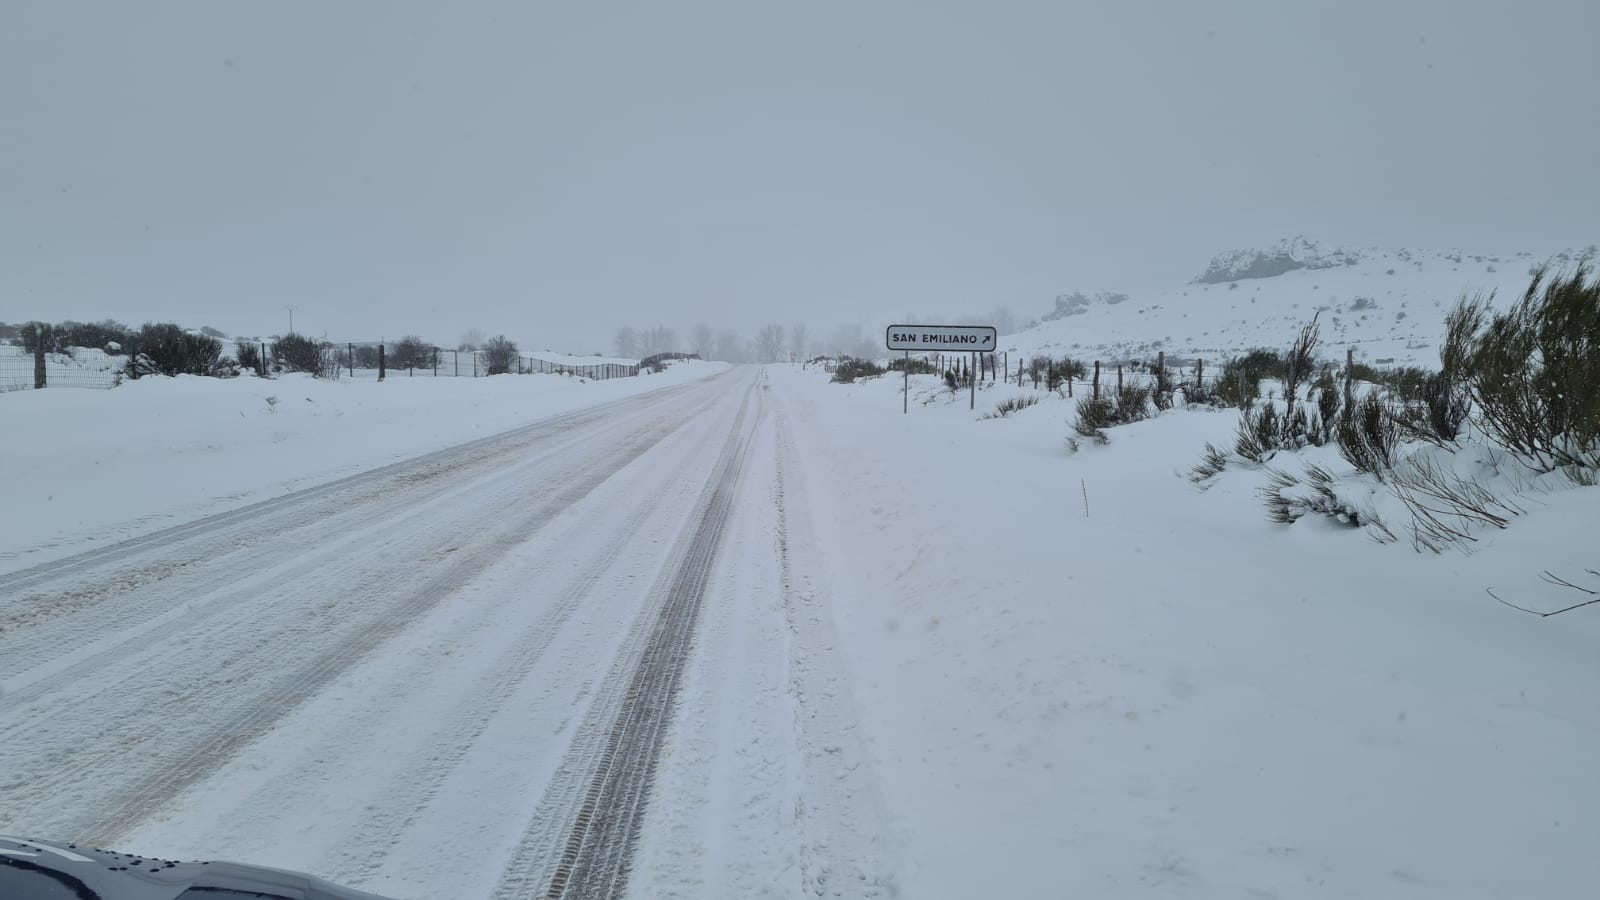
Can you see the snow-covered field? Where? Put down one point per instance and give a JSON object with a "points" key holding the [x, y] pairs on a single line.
{"points": [[934, 655], [1386, 305], [83, 467], [1079, 675]]}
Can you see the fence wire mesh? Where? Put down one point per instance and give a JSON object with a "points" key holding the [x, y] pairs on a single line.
{"points": [[89, 368], [82, 368]]}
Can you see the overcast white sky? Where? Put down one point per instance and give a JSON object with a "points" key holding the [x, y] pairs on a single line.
{"points": [[552, 170]]}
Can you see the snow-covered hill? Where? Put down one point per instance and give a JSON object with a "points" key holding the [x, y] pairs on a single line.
{"points": [[1389, 305]]}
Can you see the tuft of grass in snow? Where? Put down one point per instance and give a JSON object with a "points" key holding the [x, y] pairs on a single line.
{"points": [[1010, 405]]}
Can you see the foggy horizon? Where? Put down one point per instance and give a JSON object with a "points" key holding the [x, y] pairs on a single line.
{"points": [[555, 173]]}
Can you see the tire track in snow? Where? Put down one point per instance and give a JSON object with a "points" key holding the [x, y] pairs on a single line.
{"points": [[180, 719], [233, 523], [607, 777], [384, 548], [363, 852], [230, 734]]}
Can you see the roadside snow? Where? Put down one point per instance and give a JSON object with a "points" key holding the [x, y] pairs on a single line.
{"points": [[83, 467], [1167, 695]]}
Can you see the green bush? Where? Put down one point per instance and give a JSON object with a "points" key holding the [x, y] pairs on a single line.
{"points": [[298, 353], [249, 354], [1533, 371], [1368, 437], [500, 352], [849, 369], [1250, 369], [917, 365], [1095, 414], [410, 352], [1010, 405], [166, 349], [1259, 433]]}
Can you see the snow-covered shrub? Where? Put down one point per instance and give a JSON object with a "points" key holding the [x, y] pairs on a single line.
{"points": [[249, 355], [1446, 507], [167, 349], [917, 365], [1289, 498], [1240, 380], [1533, 371], [1367, 436], [1260, 433], [1095, 414], [298, 353], [1438, 415], [500, 352], [410, 352], [850, 368]]}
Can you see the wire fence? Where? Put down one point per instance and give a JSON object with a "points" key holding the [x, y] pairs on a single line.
{"points": [[375, 360], [82, 368], [1071, 378]]}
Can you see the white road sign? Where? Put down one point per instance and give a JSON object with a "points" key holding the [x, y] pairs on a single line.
{"points": [[956, 338]]}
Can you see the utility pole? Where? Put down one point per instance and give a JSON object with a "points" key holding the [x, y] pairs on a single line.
{"points": [[291, 310]]}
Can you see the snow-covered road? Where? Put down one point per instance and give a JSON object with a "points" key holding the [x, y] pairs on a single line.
{"points": [[760, 635], [470, 657]]}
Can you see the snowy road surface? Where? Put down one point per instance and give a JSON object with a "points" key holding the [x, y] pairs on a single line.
{"points": [[450, 677], [759, 635]]}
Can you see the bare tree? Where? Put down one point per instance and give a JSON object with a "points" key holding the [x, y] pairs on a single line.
{"points": [[799, 340], [704, 342], [728, 348], [471, 339], [769, 343], [849, 340], [627, 343], [657, 339]]}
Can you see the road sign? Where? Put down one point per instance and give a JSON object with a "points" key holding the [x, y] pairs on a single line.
{"points": [[944, 338]]}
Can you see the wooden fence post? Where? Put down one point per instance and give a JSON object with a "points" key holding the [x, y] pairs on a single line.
{"points": [[1349, 375], [350, 356], [1119, 380], [1199, 374], [39, 379], [1097, 379], [383, 363]]}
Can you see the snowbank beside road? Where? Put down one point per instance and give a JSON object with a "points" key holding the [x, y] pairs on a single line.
{"points": [[84, 467], [1166, 695]]}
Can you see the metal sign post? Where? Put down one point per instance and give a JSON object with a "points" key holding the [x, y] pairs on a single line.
{"points": [[905, 400], [974, 339]]}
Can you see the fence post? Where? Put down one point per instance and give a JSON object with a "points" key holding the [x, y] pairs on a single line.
{"points": [[38, 359], [263, 359], [350, 357], [456, 358], [474, 364], [1161, 368], [1199, 375], [1119, 380], [1097, 379], [1349, 375], [383, 363], [1244, 402]]}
